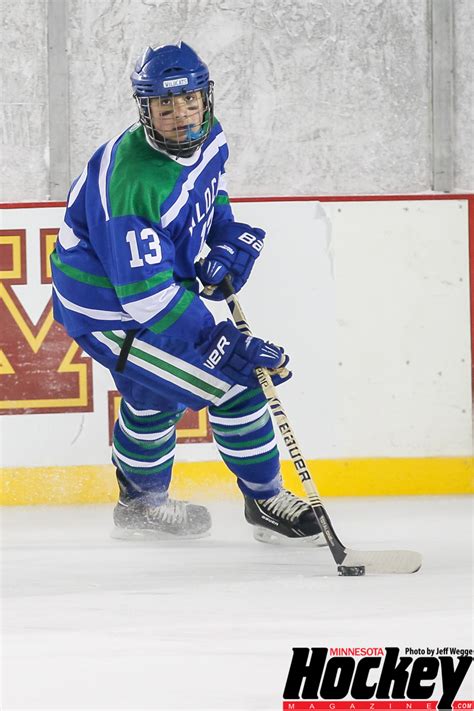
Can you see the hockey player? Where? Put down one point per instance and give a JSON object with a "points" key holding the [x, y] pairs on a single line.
{"points": [[125, 288]]}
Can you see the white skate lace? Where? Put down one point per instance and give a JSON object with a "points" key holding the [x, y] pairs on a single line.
{"points": [[171, 511], [285, 504]]}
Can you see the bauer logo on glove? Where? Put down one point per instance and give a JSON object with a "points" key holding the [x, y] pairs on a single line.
{"points": [[217, 353], [237, 356], [234, 248]]}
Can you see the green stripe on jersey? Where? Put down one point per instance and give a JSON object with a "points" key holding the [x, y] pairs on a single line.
{"points": [[79, 275], [123, 290], [139, 287], [222, 200], [188, 283], [142, 178], [172, 316], [166, 367]]}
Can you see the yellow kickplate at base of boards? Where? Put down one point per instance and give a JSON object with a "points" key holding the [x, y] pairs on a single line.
{"points": [[212, 480]]}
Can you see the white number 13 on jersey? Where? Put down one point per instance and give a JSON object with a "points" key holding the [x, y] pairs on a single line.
{"points": [[152, 253]]}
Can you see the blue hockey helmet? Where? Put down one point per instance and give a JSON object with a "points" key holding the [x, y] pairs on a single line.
{"points": [[165, 73]]}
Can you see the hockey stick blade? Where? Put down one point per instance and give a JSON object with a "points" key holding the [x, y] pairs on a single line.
{"points": [[353, 562], [380, 562], [349, 562]]}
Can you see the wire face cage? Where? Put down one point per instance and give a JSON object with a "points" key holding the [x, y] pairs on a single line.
{"points": [[177, 123]]}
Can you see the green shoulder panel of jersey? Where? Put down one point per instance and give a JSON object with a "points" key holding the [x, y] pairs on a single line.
{"points": [[141, 178]]}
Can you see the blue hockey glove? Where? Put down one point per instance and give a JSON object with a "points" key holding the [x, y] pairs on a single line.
{"points": [[234, 248], [236, 356]]}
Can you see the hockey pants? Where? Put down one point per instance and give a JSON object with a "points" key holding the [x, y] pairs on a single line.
{"points": [[160, 379]]}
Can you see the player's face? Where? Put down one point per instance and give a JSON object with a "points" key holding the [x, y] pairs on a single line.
{"points": [[173, 116]]}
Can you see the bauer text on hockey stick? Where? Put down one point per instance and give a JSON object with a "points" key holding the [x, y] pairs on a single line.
{"points": [[349, 562]]}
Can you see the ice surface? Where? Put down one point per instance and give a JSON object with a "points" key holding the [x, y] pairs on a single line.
{"points": [[93, 623]]}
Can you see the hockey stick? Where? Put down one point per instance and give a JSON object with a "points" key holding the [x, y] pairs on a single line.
{"points": [[349, 562]]}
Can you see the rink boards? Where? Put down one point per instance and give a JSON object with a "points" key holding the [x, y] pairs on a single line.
{"points": [[371, 298]]}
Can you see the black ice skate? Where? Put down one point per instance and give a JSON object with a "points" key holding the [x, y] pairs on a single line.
{"points": [[172, 519], [283, 519]]}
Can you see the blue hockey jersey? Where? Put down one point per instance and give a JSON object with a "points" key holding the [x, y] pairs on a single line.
{"points": [[135, 223]]}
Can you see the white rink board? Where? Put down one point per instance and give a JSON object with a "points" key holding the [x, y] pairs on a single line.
{"points": [[381, 346], [371, 300], [403, 336]]}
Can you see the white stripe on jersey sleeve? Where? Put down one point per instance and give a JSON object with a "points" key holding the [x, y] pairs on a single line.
{"points": [[222, 183], [182, 199], [77, 187], [66, 237], [92, 313], [104, 166], [144, 309]]}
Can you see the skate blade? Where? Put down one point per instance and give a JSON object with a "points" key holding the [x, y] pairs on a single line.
{"points": [[146, 534], [265, 535]]}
